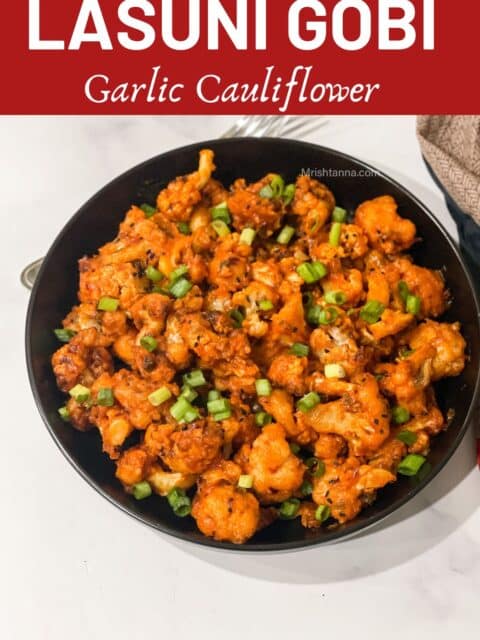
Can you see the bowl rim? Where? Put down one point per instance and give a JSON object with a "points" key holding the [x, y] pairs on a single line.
{"points": [[335, 535]]}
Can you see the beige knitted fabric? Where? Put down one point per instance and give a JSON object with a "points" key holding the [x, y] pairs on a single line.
{"points": [[451, 146]]}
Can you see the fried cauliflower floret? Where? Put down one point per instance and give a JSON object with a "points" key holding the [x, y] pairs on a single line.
{"points": [[132, 466], [279, 404], [335, 345], [288, 371], [229, 268], [313, 203], [427, 284], [249, 300], [81, 361], [288, 325], [132, 392], [277, 473], [361, 416], [386, 230], [119, 281], [190, 449], [249, 209], [329, 446], [448, 343], [353, 242], [110, 325], [348, 281], [222, 510], [345, 486], [114, 426], [390, 454], [390, 323], [149, 314], [178, 200]]}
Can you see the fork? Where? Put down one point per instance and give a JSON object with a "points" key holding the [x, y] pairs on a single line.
{"points": [[254, 126]]}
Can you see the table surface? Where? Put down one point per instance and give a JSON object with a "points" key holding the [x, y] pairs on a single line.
{"points": [[73, 566]]}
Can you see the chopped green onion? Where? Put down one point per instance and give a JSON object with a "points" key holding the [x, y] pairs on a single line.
{"points": [[306, 489], [178, 273], [222, 415], [413, 305], [64, 413], [245, 482], [320, 469], [263, 387], [162, 290], [159, 396], [403, 290], [294, 448], [312, 271], [180, 408], [262, 419], [191, 415], [218, 406], [221, 212], [105, 397], [108, 304], [285, 235], [148, 210], [308, 402], [64, 335], [289, 194], [238, 317], [372, 311], [149, 343], [153, 274], [248, 236], [221, 228], [266, 305], [214, 395], [141, 490], [300, 350], [289, 508], [179, 502], [80, 393], [339, 214], [327, 316], [313, 314], [180, 288], [278, 186], [411, 465], [335, 233], [184, 228], [335, 371], [188, 393], [266, 192], [335, 297], [407, 437], [322, 513], [400, 415], [194, 378]]}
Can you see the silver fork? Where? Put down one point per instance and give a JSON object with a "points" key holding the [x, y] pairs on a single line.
{"points": [[253, 126]]}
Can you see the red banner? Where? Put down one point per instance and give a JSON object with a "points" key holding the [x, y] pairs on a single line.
{"points": [[239, 56]]}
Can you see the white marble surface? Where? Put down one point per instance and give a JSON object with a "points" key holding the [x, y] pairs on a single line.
{"points": [[72, 566]]}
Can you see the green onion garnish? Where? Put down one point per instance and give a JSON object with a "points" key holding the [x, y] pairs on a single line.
{"points": [[339, 214], [179, 502], [180, 288], [64, 413], [221, 228], [214, 395], [262, 419], [413, 305], [194, 378], [149, 343], [180, 408], [316, 466], [334, 370], [184, 228], [288, 194], [248, 236], [312, 271], [178, 273], [105, 397], [372, 311], [245, 482], [300, 350], [266, 305], [266, 192], [221, 212], [153, 274], [80, 393], [191, 415], [313, 314], [403, 290], [322, 513], [159, 396], [188, 393], [294, 448], [400, 415], [407, 437], [306, 488], [335, 297], [411, 465], [218, 406], [238, 317], [327, 316], [108, 304], [278, 186], [64, 335], [335, 233], [148, 210], [285, 235], [289, 508], [308, 402], [141, 490], [222, 415], [263, 387]]}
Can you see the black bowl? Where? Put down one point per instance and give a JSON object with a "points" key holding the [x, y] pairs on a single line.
{"points": [[352, 182]]}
